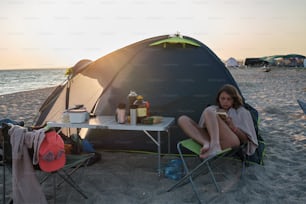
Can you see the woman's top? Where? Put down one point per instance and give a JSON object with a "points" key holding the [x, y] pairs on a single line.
{"points": [[242, 119]]}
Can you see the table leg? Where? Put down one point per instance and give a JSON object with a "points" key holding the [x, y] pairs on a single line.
{"points": [[158, 149], [3, 163], [169, 144]]}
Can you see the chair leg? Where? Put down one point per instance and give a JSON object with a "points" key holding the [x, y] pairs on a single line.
{"points": [[54, 187], [213, 176], [243, 166], [3, 189], [74, 185], [188, 174], [10, 200], [66, 178], [45, 178], [69, 174]]}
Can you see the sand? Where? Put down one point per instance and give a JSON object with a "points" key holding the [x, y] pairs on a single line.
{"points": [[132, 178]]}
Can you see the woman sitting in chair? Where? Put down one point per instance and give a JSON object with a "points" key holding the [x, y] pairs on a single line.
{"points": [[226, 124]]}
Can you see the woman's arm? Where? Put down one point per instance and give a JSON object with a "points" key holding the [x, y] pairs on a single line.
{"points": [[241, 135], [242, 119]]}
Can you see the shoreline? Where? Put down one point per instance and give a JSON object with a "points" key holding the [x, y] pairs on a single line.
{"points": [[23, 105]]}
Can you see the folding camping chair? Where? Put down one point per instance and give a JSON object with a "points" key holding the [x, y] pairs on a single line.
{"points": [[73, 163], [6, 161], [195, 147], [302, 105]]}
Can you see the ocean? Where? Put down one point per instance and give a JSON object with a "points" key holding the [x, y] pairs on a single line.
{"points": [[12, 81]]}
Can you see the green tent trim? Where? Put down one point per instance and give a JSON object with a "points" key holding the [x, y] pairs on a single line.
{"points": [[176, 40]]}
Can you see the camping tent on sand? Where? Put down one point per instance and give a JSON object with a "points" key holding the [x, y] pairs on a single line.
{"points": [[176, 74], [231, 62]]}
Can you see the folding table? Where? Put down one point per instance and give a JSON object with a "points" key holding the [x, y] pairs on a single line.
{"points": [[109, 122]]}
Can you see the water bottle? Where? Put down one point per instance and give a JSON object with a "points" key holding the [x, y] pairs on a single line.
{"points": [[174, 169], [133, 115]]}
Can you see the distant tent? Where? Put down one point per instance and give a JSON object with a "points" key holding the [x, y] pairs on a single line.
{"points": [[231, 62], [175, 79]]}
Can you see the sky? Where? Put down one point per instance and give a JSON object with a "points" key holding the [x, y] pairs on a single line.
{"points": [[59, 33]]}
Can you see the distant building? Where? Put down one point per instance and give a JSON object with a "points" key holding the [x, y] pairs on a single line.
{"points": [[290, 60], [255, 62]]}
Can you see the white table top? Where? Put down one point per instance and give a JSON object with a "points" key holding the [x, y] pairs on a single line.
{"points": [[109, 122]]}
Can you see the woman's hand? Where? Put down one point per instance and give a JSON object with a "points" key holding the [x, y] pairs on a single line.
{"points": [[229, 122], [242, 136]]}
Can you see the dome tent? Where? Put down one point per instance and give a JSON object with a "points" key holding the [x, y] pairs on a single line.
{"points": [[231, 62], [176, 76]]}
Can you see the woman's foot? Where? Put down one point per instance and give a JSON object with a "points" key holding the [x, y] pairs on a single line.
{"points": [[210, 152], [204, 149]]}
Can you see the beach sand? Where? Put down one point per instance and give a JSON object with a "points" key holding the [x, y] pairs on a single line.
{"points": [[122, 177]]}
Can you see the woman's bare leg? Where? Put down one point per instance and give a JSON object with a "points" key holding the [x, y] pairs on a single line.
{"points": [[193, 130], [212, 125], [221, 136]]}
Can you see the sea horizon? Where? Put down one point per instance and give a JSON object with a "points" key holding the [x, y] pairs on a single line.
{"points": [[31, 68], [18, 80]]}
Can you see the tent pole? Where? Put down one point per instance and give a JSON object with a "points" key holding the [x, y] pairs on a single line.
{"points": [[67, 94]]}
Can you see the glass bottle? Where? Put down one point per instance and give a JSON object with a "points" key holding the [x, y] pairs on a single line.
{"points": [[132, 97], [141, 108]]}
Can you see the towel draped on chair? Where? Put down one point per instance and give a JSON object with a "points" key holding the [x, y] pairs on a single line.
{"points": [[26, 187]]}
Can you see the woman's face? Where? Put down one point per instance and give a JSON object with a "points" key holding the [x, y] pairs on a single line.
{"points": [[225, 100]]}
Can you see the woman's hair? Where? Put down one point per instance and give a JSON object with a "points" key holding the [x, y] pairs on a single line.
{"points": [[234, 94]]}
